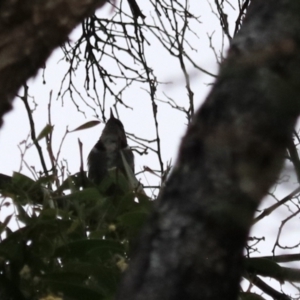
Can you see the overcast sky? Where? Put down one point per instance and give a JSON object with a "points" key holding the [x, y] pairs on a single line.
{"points": [[138, 121]]}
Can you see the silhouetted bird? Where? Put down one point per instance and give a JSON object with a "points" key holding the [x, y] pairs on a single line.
{"points": [[106, 154]]}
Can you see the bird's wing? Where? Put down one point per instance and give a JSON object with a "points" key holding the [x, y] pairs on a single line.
{"points": [[97, 159], [129, 170]]}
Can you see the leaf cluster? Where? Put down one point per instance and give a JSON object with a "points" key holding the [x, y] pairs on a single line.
{"points": [[74, 242]]}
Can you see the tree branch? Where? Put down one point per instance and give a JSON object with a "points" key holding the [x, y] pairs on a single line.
{"points": [[29, 32], [267, 289], [192, 246], [270, 209]]}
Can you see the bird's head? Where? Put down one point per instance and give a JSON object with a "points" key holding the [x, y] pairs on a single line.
{"points": [[114, 133]]}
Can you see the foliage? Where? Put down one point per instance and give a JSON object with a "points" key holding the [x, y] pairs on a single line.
{"points": [[74, 244]]}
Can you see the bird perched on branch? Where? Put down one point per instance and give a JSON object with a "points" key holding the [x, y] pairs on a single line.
{"points": [[110, 151]]}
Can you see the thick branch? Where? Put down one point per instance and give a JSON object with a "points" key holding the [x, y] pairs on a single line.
{"points": [[29, 31], [231, 155], [268, 289]]}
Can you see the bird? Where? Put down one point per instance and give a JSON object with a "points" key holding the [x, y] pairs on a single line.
{"points": [[108, 151]]}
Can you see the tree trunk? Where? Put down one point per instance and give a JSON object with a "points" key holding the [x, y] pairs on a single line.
{"points": [[29, 31], [232, 153]]}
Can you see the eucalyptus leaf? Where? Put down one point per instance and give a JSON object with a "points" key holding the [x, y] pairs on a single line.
{"points": [[86, 125], [45, 131], [263, 267]]}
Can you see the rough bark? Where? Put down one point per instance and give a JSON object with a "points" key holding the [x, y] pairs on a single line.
{"points": [[230, 156], [29, 31]]}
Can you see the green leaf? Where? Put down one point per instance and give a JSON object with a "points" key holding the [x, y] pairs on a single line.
{"points": [[107, 277], [24, 190], [23, 216], [67, 276], [5, 181], [48, 214], [22, 180], [4, 224], [126, 204], [45, 179], [129, 204], [86, 125], [87, 195], [9, 289], [74, 182], [263, 267], [105, 254], [145, 203], [73, 290], [133, 220], [115, 179], [45, 131], [12, 247], [87, 248], [98, 234]]}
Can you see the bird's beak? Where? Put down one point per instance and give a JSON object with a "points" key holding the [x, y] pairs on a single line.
{"points": [[111, 114]]}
